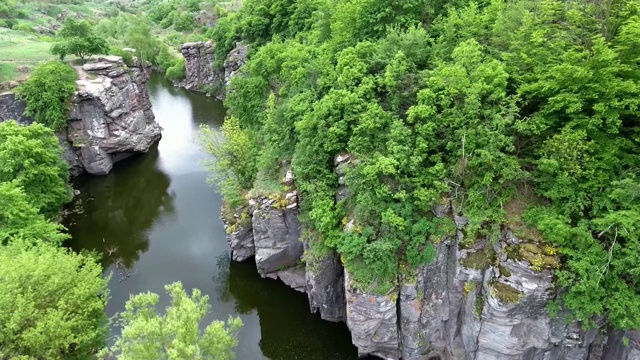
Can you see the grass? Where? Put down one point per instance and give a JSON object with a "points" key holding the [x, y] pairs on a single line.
{"points": [[20, 46], [8, 72]]}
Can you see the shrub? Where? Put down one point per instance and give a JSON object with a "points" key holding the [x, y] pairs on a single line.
{"points": [[48, 93]]}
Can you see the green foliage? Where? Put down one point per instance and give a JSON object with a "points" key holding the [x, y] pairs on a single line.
{"points": [[51, 303], [127, 56], [232, 163], [176, 72], [173, 66], [459, 102], [78, 38], [146, 335], [31, 158], [139, 37], [48, 93], [21, 221]]}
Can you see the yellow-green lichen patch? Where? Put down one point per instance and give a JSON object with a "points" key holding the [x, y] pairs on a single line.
{"points": [[469, 286], [539, 256], [505, 272], [478, 260], [506, 293]]}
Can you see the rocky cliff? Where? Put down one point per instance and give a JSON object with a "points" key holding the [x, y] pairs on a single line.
{"points": [[110, 118], [201, 74], [477, 300]]}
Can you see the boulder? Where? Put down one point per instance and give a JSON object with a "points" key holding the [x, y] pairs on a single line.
{"points": [[294, 278]]}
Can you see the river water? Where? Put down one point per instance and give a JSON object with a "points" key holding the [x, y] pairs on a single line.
{"points": [[156, 221]]}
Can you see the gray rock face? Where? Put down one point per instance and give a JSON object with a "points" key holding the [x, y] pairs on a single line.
{"points": [[234, 61], [240, 236], [325, 286], [410, 303], [199, 68], [111, 118], [294, 278], [373, 322], [276, 234], [13, 109]]}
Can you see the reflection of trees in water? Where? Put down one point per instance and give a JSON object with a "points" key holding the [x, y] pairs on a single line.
{"points": [[114, 213], [289, 331]]}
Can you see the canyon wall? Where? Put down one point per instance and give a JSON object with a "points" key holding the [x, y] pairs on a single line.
{"points": [[110, 117], [477, 300], [201, 72]]}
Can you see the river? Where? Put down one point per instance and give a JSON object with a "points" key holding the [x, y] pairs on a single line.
{"points": [[156, 221]]}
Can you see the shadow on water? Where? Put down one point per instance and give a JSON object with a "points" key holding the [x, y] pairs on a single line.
{"points": [[288, 330], [104, 215], [155, 216]]}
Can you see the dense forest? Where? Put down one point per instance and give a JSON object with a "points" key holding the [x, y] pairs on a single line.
{"points": [[524, 114]]}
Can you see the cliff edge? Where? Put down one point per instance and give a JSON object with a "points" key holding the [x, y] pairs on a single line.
{"points": [[110, 117]]}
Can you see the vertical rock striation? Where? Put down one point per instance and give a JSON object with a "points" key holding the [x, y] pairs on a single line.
{"points": [[276, 234], [200, 71], [477, 300], [110, 118]]}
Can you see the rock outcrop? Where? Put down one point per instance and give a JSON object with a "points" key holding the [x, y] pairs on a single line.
{"points": [[373, 321], [110, 119], [234, 61], [13, 109], [276, 233], [201, 74], [325, 286], [477, 299]]}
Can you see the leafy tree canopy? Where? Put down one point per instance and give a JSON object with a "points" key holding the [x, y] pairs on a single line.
{"points": [[19, 220], [473, 103], [48, 93], [51, 303], [78, 38], [175, 335]]}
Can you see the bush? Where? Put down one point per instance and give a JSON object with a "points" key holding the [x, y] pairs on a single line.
{"points": [[127, 56], [177, 71], [48, 93], [52, 303], [22, 27]]}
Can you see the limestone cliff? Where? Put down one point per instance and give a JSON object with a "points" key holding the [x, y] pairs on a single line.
{"points": [[201, 74], [110, 117], [477, 300]]}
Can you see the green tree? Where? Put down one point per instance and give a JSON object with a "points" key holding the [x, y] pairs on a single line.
{"points": [[78, 38], [139, 37], [176, 335], [31, 158], [51, 303], [48, 93], [19, 220], [233, 159]]}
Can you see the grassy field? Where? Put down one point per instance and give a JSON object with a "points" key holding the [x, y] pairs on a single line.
{"points": [[20, 46]]}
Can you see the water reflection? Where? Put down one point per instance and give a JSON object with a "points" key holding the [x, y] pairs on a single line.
{"points": [[108, 216], [157, 213]]}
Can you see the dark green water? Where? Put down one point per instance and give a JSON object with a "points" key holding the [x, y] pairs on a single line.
{"points": [[155, 220]]}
